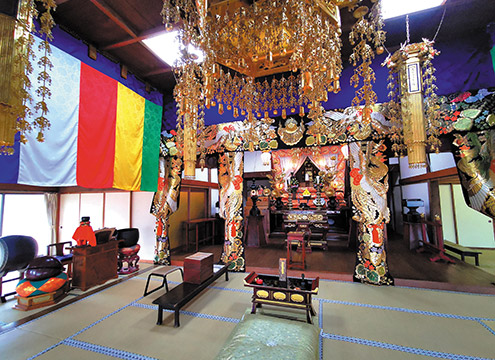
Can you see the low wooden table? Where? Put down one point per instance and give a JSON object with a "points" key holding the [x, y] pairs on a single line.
{"points": [[195, 224], [294, 295], [463, 251], [180, 295]]}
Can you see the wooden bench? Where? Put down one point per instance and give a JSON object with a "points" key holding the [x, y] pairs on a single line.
{"points": [[180, 295], [461, 250], [162, 273]]}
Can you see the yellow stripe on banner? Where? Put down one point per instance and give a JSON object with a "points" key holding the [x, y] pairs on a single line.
{"points": [[128, 139]]}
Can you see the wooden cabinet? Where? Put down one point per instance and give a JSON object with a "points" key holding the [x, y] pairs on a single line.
{"points": [[94, 265]]}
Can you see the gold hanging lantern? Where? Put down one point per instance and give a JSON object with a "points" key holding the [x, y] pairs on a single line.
{"points": [[412, 110], [412, 64]]}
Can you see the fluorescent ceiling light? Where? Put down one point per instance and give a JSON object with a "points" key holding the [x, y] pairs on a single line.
{"points": [[394, 8], [167, 47]]}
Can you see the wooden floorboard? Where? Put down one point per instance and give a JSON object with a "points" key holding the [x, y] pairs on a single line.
{"points": [[406, 266]]}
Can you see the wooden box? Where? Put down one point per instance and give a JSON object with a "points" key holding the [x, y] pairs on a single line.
{"points": [[198, 267], [35, 302], [94, 265]]}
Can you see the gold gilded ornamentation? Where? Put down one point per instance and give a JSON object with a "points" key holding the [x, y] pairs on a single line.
{"points": [[279, 296], [365, 30], [304, 217], [16, 66], [230, 180], [477, 176], [413, 108], [165, 203], [262, 294], [245, 43], [297, 298], [292, 133]]}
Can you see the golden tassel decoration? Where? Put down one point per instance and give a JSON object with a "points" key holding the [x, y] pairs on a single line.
{"points": [[190, 146], [307, 82], [7, 113]]}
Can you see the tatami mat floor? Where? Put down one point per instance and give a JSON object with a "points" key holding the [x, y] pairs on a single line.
{"points": [[357, 322]]}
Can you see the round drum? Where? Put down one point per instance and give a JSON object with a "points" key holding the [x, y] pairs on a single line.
{"points": [[16, 251], [130, 237]]}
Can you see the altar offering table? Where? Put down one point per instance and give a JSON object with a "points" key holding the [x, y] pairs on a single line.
{"points": [[296, 293]]}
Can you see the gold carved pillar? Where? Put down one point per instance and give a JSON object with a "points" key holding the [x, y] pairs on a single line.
{"points": [[231, 185], [369, 185]]}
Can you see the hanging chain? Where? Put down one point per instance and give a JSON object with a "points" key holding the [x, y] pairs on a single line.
{"points": [[441, 22], [407, 29]]}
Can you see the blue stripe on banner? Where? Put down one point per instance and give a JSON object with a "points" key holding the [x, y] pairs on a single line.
{"points": [[121, 354], [53, 162], [406, 349], [411, 311], [10, 164]]}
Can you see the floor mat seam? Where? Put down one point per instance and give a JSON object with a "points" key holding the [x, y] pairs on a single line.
{"points": [[406, 349], [190, 313], [406, 310], [105, 350]]}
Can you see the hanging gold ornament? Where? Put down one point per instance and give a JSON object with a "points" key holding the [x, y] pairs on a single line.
{"points": [[292, 133], [416, 118]]}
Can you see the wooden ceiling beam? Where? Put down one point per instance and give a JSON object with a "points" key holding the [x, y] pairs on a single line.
{"points": [[158, 71], [144, 35], [450, 173], [112, 15]]}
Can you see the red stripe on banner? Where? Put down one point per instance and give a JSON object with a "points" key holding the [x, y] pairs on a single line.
{"points": [[96, 137]]}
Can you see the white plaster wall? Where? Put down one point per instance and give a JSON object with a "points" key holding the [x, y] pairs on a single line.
{"points": [[92, 206], [473, 228], [441, 161], [117, 210], [69, 216], [448, 219], [145, 222], [253, 162], [415, 191]]}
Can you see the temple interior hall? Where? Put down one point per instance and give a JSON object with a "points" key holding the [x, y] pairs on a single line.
{"points": [[247, 179]]}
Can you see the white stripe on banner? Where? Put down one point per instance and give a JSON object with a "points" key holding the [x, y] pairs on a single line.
{"points": [[53, 162]]}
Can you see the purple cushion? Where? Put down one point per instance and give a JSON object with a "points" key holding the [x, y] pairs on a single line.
{"points": [[43, 267]]}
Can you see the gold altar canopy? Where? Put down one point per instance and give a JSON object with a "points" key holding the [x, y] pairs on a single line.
{"points": [[244, 41]]}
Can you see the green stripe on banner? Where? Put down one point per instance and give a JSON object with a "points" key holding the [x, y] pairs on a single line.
{"points": [[151, 146], [492, 53]]}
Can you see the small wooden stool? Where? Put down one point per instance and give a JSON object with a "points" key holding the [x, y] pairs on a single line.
{"points": [[299, 237]]}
